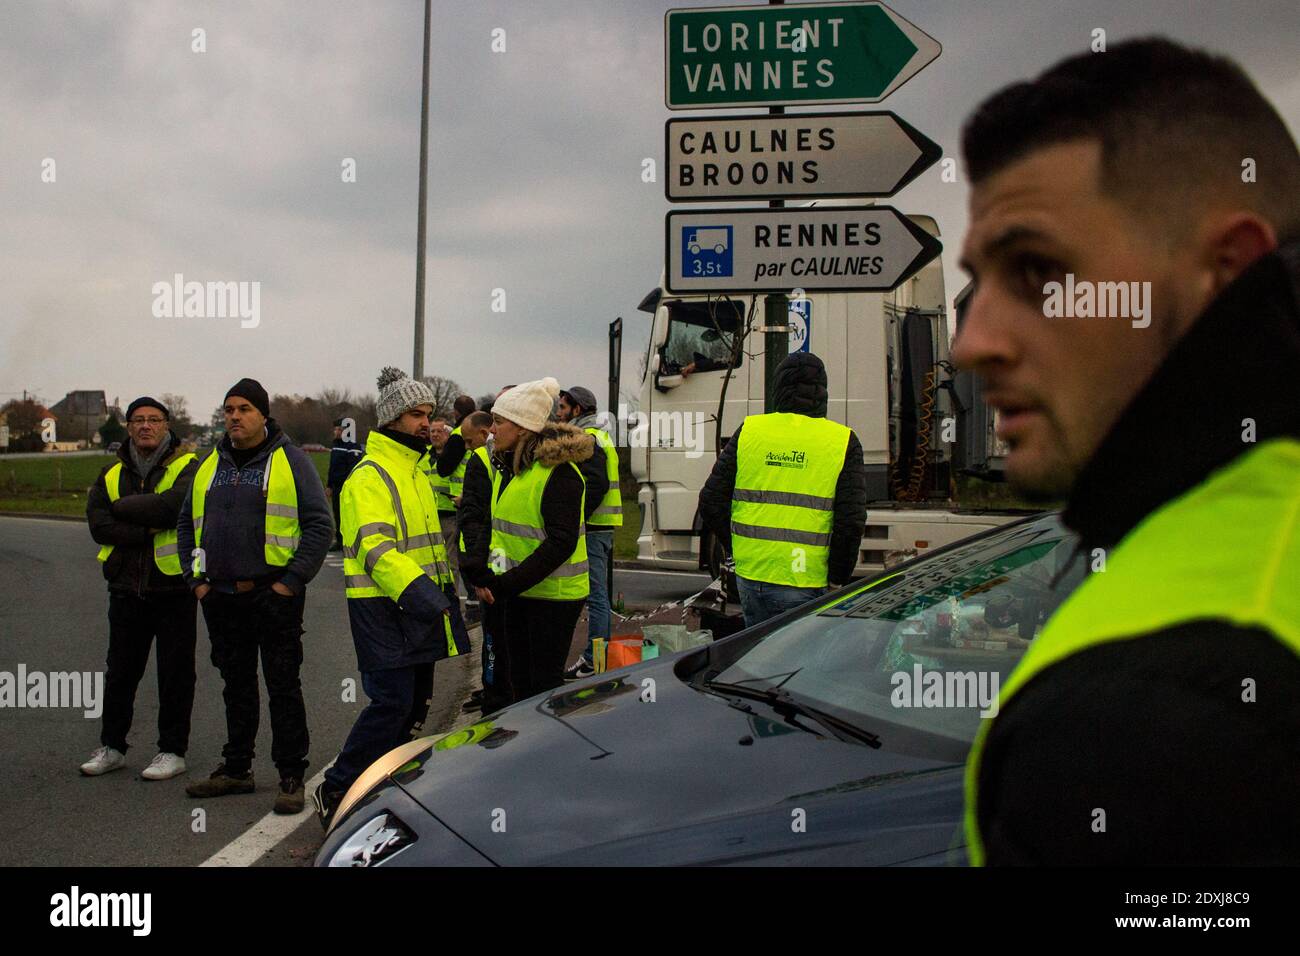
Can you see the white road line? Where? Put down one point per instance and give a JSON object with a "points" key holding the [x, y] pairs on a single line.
{"points": [[266, 834]]}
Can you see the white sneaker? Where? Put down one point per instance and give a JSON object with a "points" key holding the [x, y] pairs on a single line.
{"points": [[102, 761], [163, 767]]}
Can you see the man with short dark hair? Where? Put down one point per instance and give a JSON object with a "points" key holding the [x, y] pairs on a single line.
{"points": [[1154, 719], [474, 518], [132, 509], [253, 532], [345, 452], [450, 457]]}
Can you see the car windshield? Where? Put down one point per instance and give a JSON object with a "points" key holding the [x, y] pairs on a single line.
{"points": [[923, 651]]}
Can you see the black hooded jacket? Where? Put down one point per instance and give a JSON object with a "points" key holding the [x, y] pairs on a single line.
{"points": [[800, 388], [1155, 731]]}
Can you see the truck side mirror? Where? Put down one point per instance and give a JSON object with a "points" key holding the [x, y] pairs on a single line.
{"points": [[664, 382]]}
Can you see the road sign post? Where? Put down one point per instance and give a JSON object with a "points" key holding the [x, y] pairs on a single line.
{"points": [[805, 54], [827, 249]]}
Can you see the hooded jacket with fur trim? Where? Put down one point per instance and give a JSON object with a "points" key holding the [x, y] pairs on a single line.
{"points": [[562, 515]]}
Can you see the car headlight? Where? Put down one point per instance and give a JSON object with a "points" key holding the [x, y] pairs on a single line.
{"points": [[376, 841]]}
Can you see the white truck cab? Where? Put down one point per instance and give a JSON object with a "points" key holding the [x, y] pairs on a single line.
{"points": [[886, 357]]}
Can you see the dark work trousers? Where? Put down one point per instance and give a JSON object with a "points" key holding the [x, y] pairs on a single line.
{"points": [[495, 658], [133, 624], [399, 702], [241, 625], [539, 634], [335, 493]]}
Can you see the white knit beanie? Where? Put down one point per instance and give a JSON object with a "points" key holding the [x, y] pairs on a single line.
{"points": [[397, 393], [529, 404]]}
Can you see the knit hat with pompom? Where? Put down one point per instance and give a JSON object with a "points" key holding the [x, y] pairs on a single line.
{"points": [[397, 393]]}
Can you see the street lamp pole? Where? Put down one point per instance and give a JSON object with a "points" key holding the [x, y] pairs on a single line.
{"points": [[776, 313], [417, 365]]}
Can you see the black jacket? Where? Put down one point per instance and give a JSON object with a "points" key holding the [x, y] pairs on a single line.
{"points": [[474, 517], [449, 458], [1154, 730], [344, 456], [126, 523], [800, 388]]}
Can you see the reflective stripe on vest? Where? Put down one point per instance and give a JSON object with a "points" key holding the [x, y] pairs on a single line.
{"points": [[457, 478], [517, 531], [165, 554], [787, 466], [281, 528], [609, 513], [1226, 550]]}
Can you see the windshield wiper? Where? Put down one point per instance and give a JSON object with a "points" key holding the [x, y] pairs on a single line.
{"points": [[788, 707]]}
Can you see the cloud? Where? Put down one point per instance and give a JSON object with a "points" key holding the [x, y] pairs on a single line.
{"points": [[226, 165]]}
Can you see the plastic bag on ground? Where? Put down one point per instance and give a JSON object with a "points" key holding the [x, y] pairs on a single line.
{"points": [[671, 638]]}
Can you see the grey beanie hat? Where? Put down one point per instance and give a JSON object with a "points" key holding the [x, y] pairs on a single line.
{"points": [[397, 393]]}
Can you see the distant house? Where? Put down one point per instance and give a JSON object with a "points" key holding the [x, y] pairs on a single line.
{"points": [[80, 414], [20, 426]]}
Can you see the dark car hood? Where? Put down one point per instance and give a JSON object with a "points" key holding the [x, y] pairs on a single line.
{"points": [[600, 773]]}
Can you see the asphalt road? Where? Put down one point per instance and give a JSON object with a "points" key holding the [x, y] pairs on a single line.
{"points": [[643, 589], [53, 617]]}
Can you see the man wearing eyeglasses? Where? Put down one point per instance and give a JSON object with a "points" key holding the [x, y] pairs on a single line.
{"points": [[132, 509]]}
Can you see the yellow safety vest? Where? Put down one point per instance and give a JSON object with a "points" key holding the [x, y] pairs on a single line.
{"points": [[457, 477], [441, 486], [787, 466], [517, 531], [609, 513], [389, 524], [1226, 550], [165, 555], [281, 494]]}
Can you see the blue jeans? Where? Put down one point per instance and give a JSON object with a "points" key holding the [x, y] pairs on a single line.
{"points": [[600, 550], [761, 601]]}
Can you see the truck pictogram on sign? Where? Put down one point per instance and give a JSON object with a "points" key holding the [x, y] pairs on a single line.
{"points": [[707, 250]]}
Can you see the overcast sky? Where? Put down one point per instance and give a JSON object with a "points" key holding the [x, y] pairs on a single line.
{"points": [[226, 165]]}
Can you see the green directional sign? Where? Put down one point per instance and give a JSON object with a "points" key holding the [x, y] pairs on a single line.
{"points": [[790, 55]]}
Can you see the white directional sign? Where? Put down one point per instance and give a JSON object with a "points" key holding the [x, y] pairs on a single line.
{"points": [[833, 249], [805, 155]]}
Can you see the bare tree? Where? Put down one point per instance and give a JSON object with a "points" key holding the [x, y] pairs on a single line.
{"points": [[445, 391], [180, 414], [310, 419]]}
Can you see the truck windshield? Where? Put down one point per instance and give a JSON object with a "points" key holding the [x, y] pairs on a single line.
{"points": [[922, 653], [700, 335]]}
